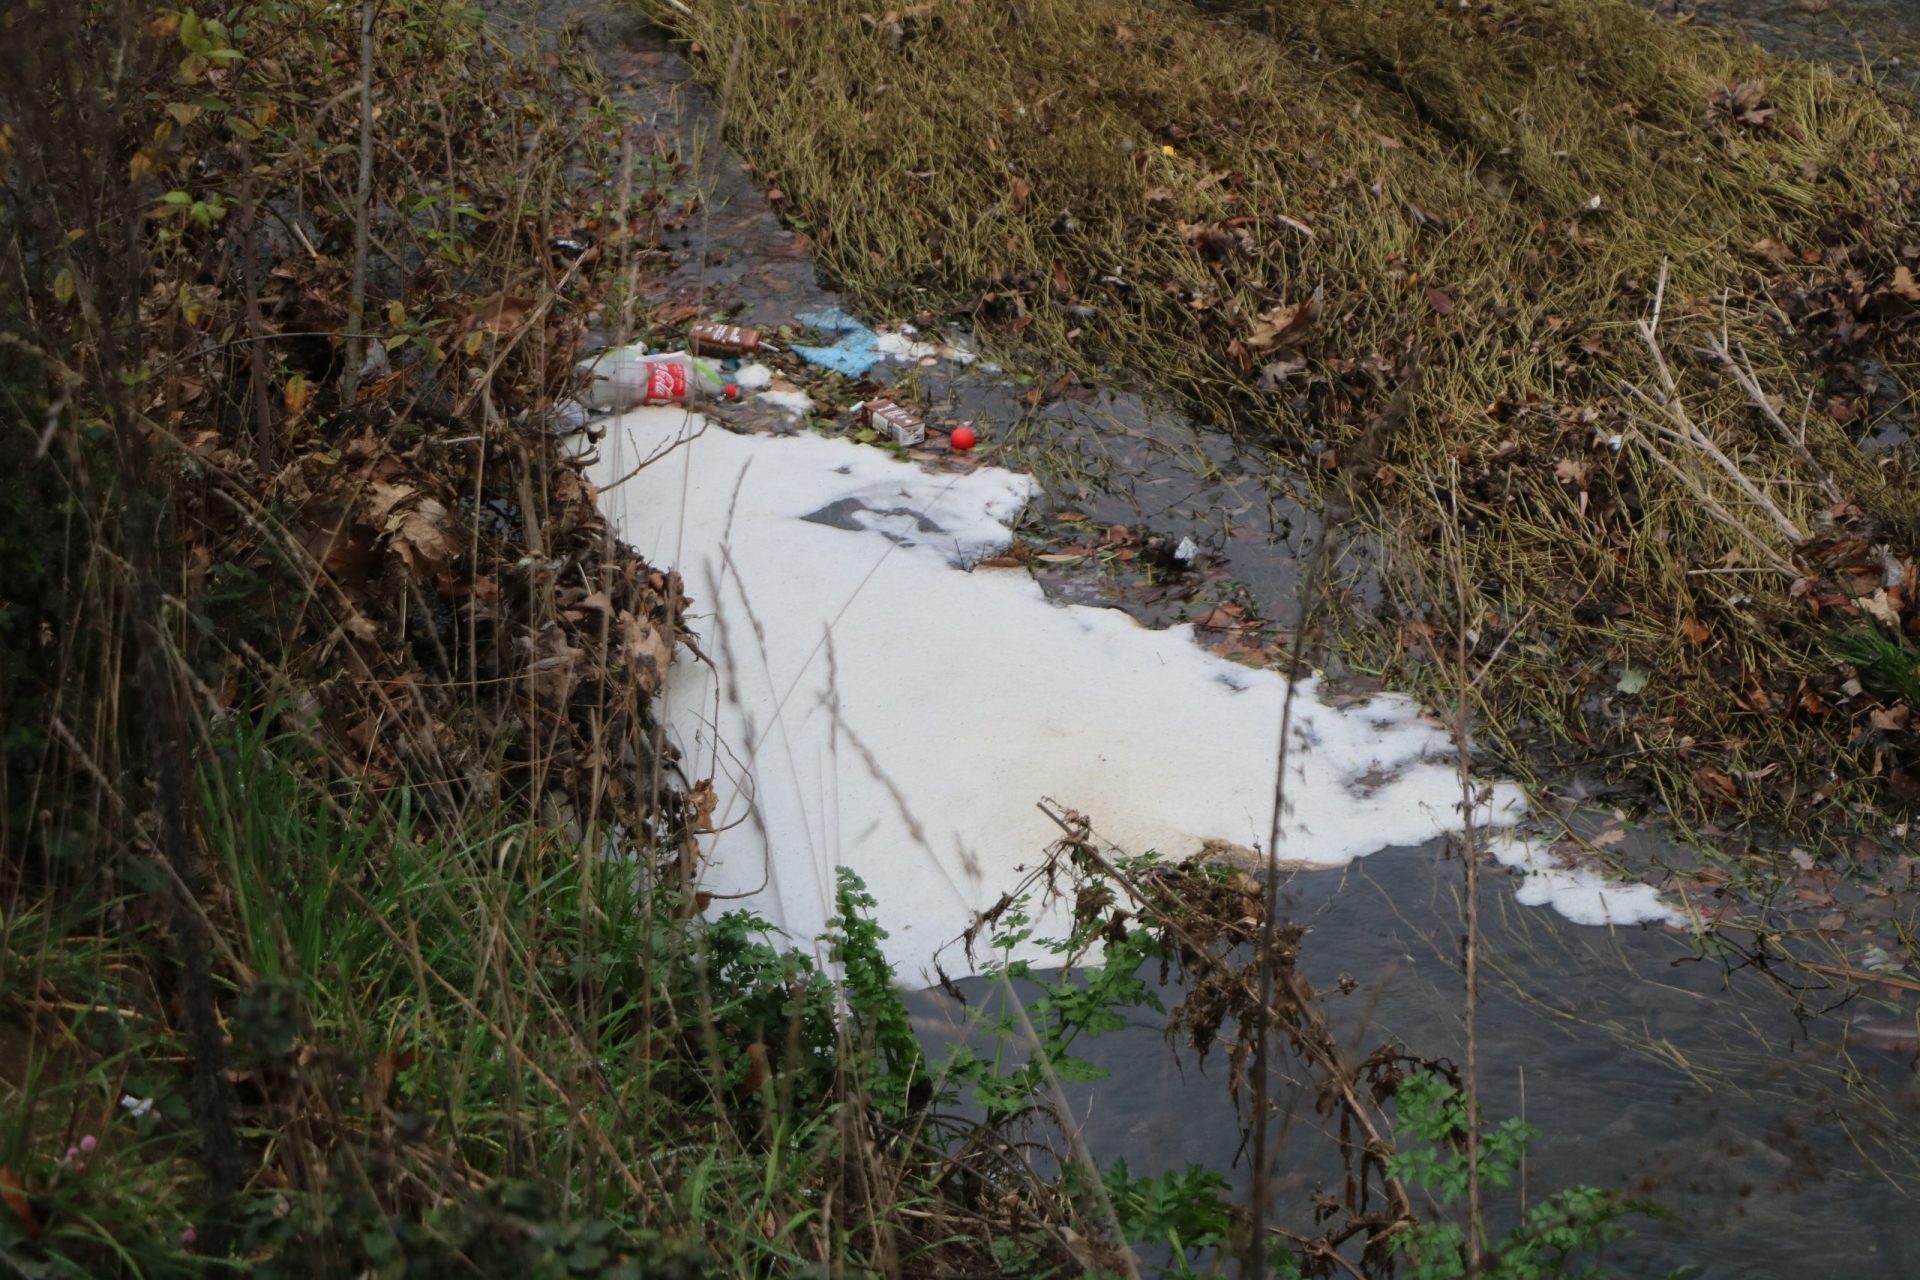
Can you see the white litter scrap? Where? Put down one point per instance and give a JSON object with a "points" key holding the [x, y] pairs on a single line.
{"points": [[903, 345], [753, 377], [873, 704]]}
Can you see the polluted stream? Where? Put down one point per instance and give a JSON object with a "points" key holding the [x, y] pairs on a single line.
{"points": [[873, 703], [848, 717]]}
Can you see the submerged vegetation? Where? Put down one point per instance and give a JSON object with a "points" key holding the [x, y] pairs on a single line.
{"points": [[1601, 327]]}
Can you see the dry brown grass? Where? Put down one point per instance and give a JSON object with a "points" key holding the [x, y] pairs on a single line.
{"points": [[1111, 185]]}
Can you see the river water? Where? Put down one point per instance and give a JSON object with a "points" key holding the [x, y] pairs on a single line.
{"points": [[1741, 1097]]}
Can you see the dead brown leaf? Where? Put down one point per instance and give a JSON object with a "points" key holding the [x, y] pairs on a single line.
{"points": [[1716, 782], [500, 314], [1278, 371], [645, 650], [1286, 326], [701, 799], [420, 536]]}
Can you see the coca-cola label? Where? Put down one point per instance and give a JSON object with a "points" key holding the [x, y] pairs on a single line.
{"points": [[666, 383]]}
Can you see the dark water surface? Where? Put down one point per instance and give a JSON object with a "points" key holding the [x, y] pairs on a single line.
{"points": [[1783, 1150]]}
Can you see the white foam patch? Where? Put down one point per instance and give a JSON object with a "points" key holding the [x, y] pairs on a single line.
{"points": [[1581, 894], [878, 707], [794, 402]]}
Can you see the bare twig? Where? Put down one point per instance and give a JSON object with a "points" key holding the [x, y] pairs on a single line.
{"points": [[256, 326], [356, 338], [1470, 947], [1749, 382], [1773, 559], [1314, 1038]]}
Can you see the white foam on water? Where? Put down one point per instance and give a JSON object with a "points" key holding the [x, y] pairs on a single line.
{"points": [[793, 402], [876, 705], [1579, 893]]}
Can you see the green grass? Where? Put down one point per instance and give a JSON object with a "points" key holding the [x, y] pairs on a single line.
{"points": [[447, 1036], [1887, 665]]}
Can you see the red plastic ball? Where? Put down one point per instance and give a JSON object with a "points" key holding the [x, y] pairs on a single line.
{"points": [[962, 438]]}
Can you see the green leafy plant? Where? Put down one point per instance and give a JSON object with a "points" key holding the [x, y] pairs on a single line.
{"points": [[1554, 1238], [1886, 663]]}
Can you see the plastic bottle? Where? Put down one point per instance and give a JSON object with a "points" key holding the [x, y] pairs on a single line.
{"points": [[628, 377]]}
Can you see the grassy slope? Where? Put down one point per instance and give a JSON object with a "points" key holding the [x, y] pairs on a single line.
{"points": [[1116, 184]]}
